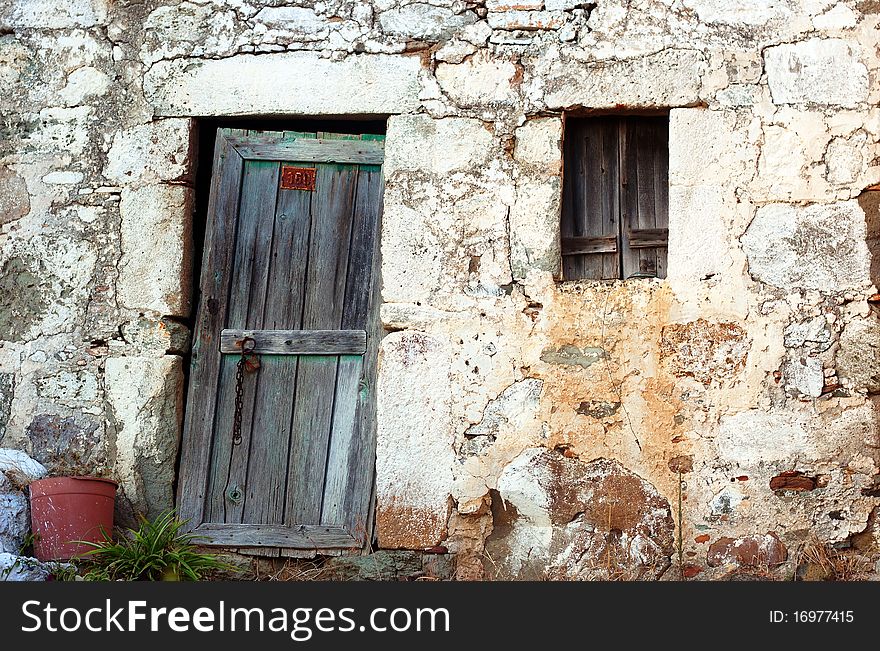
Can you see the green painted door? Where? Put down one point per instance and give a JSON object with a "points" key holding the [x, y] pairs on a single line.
{"points": [[290, 270]]}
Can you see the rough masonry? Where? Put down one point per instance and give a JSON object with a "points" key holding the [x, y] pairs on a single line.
{"points": [[536, 429]]}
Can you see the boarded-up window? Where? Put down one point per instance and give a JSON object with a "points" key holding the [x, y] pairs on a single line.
{"points": [[615, 213]]}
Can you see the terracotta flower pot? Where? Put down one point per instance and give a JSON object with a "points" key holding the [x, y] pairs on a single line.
{"points": [[66, 509]]}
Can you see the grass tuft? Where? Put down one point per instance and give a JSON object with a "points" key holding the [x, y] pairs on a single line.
{"points": [[158, 550]]}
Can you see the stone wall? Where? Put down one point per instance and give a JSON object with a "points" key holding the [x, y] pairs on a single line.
{"points": [[534, 428]]}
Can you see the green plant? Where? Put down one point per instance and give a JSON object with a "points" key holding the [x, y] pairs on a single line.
{"points": [[64, 572], [158, 550], [27, 545]]}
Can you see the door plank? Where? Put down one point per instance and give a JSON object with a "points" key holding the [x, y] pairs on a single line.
{"points": [[342, 434], [592, 220], [265, 208], [610, 190], [644, 137], [320, 150], [247, 299], [266, 535], [265, 492], [295, 342], [330, 238], [348, 431], [360, 497], [628, 203], [206, 360], [589, 245], [648, 238]]}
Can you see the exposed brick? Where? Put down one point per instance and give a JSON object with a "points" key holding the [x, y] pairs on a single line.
{"points": [[792, 480], [757, 550]]}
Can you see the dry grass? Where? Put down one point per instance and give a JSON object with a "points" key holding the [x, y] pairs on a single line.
{"points": [[819, 561], [296, 569], [263, 568], [813, 561], [632, 573]]}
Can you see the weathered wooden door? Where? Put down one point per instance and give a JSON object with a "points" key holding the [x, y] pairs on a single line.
{"points": [[290, 270]]}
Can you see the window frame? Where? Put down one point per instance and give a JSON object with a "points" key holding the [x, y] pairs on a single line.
{"points": [[611, 227]]}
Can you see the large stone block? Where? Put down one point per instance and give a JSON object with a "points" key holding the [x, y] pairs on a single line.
{"points": [[539, 145], [846, 159], [146, 398], [707, 147], [84, 84], [814, 334], [481, 80], [69, 388], [804, 375], [154, 272], [817, 71], [512, 412], [787, 169], [19, 468], [534, 226], [739, 12], [444, 239], [62, 129], [753, 437], [414, 457], [288, 83], [15, 202], [527, 20], [858, 357], [839, 16], [421, 21], [14, 524], [152, 336], [301, 20], [23, 568], [157, 151], [708, 352], [184, 28], [412, 255], [759, 550], [419, 143], [381, 565], [668, 78], [72, 445], [7, 390], [560, 518], [698, 236], [58, 14], [45, 284], [821, 246]]}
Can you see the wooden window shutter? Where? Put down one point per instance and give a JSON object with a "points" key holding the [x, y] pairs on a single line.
{"points": [[615, 213], [590, 226]]}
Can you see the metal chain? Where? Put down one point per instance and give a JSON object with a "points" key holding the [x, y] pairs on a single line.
{"points": [[247, 345]]}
